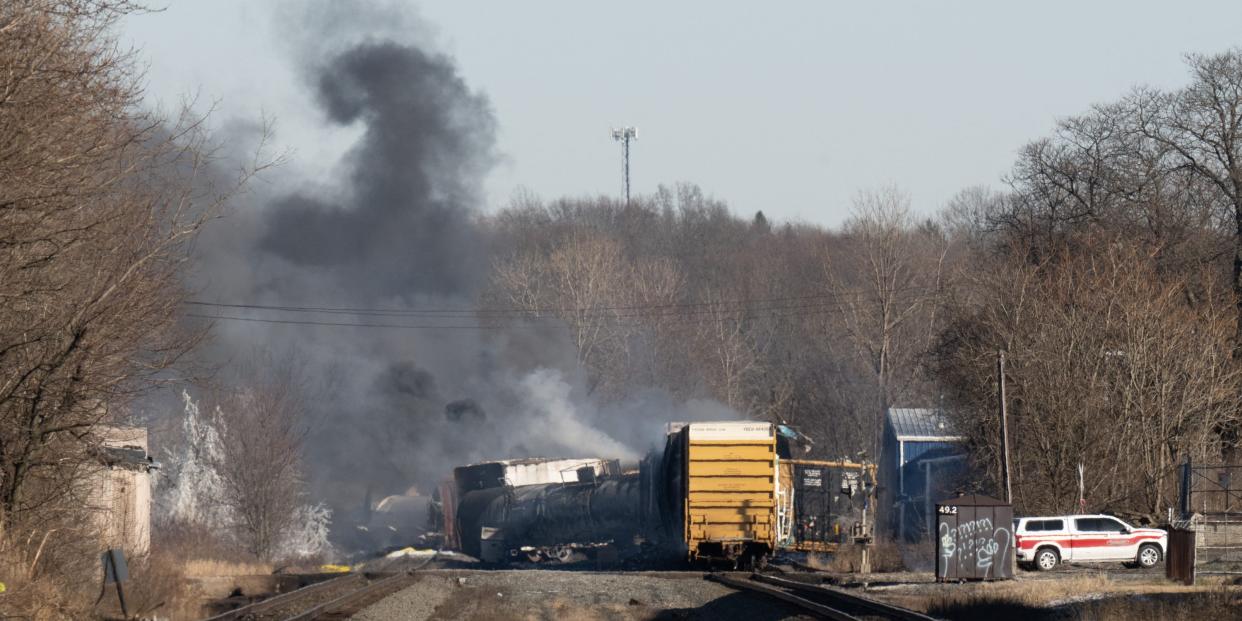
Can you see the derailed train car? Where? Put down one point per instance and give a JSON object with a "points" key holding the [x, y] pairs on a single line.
{"points": [[556, 520], [719, 489], [715, 491], [825, 504], [463, 503]]}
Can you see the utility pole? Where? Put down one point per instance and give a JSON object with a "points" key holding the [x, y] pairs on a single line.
{"points": [[1004, 427], [624, 135]]}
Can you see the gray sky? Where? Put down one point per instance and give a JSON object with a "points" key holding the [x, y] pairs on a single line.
{"points": [[786, 107]]}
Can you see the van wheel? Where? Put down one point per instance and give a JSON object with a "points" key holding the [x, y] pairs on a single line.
{"points": [[1148, 556], [1046, 559]]}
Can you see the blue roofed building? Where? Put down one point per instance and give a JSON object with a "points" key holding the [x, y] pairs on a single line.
{"points": [[922, 457]]}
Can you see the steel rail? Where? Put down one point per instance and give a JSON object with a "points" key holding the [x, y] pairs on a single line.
{"points": [[873, 607], [355, 597], [284, 598], [815, 608]]}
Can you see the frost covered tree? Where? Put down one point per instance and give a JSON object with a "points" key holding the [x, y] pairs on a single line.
{"points": [[191, 487], [239, 470]]}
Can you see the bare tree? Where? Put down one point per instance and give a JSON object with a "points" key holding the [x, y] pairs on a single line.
{"points": [[884, 281], [98, 208], [262, 427], [728, 348], [580, 281], [1105, 359], [1200, 126], [586, 280], [99, 204]]}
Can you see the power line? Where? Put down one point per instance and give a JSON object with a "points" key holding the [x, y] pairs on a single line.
{"points": [[653, 311], [307, 322], [504, 326], [710, 306], [480, 326], [675, 319]]}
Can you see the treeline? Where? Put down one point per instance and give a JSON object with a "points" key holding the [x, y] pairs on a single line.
{"points": [[796, 323], [1108, 270], [1110, 273]]}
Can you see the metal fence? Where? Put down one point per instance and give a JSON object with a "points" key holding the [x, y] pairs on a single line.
{"points": [[1211, 489], [1211, 520]]}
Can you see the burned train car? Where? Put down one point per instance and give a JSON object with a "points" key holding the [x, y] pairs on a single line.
{"points": [[550, 520], [504, 503]]}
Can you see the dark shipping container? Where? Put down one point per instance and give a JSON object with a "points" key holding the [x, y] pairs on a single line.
{"points": [[974, 539]]}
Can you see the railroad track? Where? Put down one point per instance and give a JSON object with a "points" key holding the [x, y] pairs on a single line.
{"points": [[337, 598], [822, 601]]}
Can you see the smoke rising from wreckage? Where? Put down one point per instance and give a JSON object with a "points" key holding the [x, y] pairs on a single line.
{"points": [[397, 226], [717, 491]]}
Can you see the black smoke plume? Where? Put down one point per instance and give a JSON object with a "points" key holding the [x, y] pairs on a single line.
{"points": [[395, 226], [403, 224]]}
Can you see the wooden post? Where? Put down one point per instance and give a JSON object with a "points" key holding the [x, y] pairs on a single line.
{"points": [[1004, 427]]}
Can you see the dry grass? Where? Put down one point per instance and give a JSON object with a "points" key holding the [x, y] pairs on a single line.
{"points": [[1081, 598], [170, 583], [155, 588], [217, 568], [1016, 593], [38, 599], [167, 585], [885, 557], [205, 553], [840, 561], [50, 571], [1217, 604]]}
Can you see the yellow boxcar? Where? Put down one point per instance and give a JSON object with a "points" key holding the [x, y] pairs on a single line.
{"points": [[730, 489]]}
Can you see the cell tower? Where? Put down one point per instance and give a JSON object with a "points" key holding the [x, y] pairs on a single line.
{"points": [[624, 135]]}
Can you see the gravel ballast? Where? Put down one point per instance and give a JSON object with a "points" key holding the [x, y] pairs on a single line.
{"points": [[542, 594]]}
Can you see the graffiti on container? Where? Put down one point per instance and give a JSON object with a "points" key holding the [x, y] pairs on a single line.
{"points": [[977, 539]]}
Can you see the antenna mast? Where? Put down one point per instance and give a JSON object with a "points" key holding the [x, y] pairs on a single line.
{"points": [[624, 135]]}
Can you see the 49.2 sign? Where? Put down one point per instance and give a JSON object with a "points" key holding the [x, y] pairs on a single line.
{"points": [[948, 510]]}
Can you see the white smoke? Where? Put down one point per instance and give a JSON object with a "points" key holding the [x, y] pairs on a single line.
{"points": [[555, 425]]}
